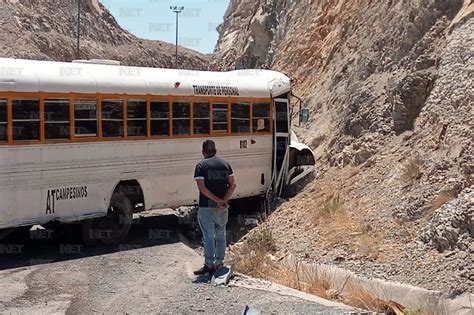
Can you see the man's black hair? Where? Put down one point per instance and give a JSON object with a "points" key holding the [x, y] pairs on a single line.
{"points": [[209, 147]]}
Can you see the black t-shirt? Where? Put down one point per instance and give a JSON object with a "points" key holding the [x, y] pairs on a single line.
{"points": [[215, 172]]}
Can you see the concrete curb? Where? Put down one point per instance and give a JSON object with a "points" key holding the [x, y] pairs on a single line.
{"points": [[416, 298], [244, 281]]}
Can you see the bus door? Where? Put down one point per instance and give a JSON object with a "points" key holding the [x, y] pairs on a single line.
{"points": [[281, 138]]}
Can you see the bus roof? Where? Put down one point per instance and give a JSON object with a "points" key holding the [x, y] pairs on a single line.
{"points": [[19, 75]]}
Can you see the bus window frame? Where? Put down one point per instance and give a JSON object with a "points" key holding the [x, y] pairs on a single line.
{"points": [[206, 101], [114, 97], [124, 98], [161, 99], [147, 118], [220, 101], [7, 124], [53, 96], [242, 100], [92, 97], [48, 96], [180, 99], [23, 96], [271, 117]]}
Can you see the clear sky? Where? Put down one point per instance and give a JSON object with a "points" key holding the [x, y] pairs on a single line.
{"points": [[153, 19]]}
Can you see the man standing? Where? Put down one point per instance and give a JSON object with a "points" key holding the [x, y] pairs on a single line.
{"points": [[216, 185]]}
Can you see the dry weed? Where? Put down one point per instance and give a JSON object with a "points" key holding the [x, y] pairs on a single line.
{"points": [[311, 279], [284, 276], [251, 263], [319, 282], [331, 207], [411, 172], [444, 196], [263, 240], [358, 296], [337, 226], [252, 258], [369, 246]]}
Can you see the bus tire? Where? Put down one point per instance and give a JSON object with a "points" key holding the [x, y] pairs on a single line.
{"points": [[112, 228], [289, 191]]}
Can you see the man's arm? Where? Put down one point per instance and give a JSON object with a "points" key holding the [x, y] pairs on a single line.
{"points": [[206, 192], [230, 189]]}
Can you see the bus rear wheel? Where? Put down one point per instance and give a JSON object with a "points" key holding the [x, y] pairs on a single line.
{"points": [[112, 228]]}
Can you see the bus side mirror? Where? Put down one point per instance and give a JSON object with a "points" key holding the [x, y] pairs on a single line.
{"points": [[304, 115]]}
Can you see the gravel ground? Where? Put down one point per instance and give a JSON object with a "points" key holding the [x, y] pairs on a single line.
{"points": [[142, 276]]}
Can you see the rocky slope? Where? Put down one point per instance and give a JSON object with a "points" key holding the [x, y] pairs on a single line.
{"points": [[46, 30], [390, 85]]}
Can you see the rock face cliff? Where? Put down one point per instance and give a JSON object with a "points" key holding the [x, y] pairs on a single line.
{"points": [[390, 86], [46, 30]]}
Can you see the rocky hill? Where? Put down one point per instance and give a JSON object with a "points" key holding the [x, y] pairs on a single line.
{"points": [[390, 86], [46, 30]]}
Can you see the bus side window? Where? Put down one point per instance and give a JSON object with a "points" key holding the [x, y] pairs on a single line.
{"points": [[25, 119], [85, 118], [3, 120], [201, 119], [159, 118], [181, 118], [56, 119], [112, 118], [261, 117], [240, 113], [136, 118], [219, 119]]}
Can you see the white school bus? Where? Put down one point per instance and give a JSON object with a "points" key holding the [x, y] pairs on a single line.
{"points": [[96, 143]]}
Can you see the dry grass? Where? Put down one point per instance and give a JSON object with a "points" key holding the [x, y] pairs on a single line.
{"points": [[335, 222], [254, 260], [252, 257], [437, 202], [338, 225], [311, 279], [358, 296], [369, 246], [319, 282], [285, 276], [250, 263], [331, 206], [444, 196], [411, 172], [262, 240]]}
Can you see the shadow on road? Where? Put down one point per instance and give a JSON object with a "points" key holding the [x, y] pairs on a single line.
{"points": [[43, 246], [39, 247]]}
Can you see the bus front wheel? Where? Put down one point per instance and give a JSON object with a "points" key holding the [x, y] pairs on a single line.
{"points": [[112, 228]]}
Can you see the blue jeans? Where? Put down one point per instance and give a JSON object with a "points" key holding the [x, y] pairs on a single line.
{"points": [[213, 223]]}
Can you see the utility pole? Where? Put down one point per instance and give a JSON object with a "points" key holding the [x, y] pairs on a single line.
{"points": [[78, 47], [176, 10]]}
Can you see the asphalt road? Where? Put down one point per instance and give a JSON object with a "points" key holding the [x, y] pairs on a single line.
{"points": [[152, 273]]}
